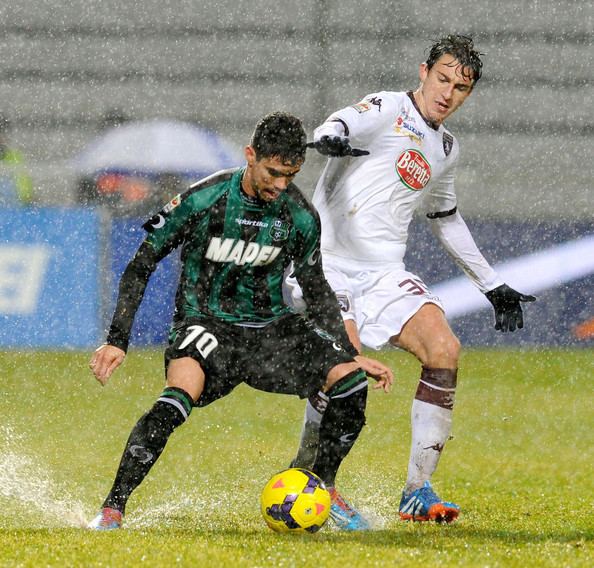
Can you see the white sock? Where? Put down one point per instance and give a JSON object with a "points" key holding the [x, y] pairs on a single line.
{"points": [[431, 426]]}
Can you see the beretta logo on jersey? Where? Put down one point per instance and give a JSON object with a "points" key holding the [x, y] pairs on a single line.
{"points": [[413, 169]]}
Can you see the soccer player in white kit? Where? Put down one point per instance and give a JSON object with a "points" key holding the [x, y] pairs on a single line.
{"points": [[390, 155]]}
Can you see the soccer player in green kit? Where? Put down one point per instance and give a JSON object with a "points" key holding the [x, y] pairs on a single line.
{"points": [[240, 230]]}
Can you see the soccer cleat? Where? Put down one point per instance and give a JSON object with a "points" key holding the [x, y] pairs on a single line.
{"points": [[424, 505], [344, 515], [107, 520]]}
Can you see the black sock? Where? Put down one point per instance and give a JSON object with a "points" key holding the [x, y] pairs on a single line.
{"points": [[341, 424], [146, 442], [310, 434]]}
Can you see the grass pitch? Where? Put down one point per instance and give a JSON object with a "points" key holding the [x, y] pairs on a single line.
{"points": [[519, 464]]}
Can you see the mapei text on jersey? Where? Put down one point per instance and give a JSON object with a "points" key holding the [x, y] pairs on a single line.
{"points": [[240, 252]]}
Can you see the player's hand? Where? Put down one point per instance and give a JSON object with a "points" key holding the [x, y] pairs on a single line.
{"points": [[105, 360], [378, 371], [336, 147], [508, 310]]}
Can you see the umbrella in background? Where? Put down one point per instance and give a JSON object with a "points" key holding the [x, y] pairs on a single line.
{"points": [[152, 147], [135, 167]]}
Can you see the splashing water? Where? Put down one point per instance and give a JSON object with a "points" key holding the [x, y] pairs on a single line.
{"points": [[164, 514], [26, 482]]}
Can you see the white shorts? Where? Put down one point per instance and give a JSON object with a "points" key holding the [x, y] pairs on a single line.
{"points": [[380, 302]]}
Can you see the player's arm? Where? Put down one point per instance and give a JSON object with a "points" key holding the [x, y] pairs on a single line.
{"points": [[352, 126], [323, 309], [107, 358], [165, 232], [332, 139], [454, 235]]}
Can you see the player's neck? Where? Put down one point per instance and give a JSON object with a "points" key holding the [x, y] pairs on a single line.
{"points": [[417, 100]]}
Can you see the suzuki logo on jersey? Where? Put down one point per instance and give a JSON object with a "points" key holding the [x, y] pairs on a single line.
{"points": [[240, 252], [404, 127], [413, 169]]}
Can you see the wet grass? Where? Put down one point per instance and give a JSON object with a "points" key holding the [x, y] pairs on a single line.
{"points": [[520, 465]]}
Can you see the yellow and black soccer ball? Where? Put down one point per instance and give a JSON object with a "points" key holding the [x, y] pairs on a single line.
{"points": [[295, 500]]}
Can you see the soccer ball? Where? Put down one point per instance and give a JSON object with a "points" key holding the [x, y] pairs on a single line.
{"points": [[295, 500]]}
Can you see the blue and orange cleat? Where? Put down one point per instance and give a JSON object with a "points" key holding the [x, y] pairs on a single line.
{"points": [[424, 505], [346, 517], [107, 520]]}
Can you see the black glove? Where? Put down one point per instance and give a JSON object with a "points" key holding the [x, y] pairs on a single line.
{"points": [[336, 146], [508, 311]]}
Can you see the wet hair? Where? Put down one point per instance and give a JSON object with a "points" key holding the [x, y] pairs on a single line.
{"points": [[281, 135], [462, 49]]}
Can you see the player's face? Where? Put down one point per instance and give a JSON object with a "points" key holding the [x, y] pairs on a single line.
{"points": [[268, 177], [443, 88]]}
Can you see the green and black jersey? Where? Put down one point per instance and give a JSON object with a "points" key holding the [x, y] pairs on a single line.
{"points": [[235, 251]]}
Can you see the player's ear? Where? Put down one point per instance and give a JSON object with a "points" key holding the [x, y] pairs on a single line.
{"points": [[250, 155], [423, 70]]}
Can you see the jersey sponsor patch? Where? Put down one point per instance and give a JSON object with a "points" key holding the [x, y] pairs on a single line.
{"points": [[172, 204], [413, 169], [361, 107], [404, 126], [157, 221], [239, 252], [367, 104]]}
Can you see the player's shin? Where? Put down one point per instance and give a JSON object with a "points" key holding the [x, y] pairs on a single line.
{"points": [[341, 424], [310, 434], [146, 443], [431, 423]]}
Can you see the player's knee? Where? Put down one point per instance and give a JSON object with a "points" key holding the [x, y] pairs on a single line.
{"points": [[348, 399], [444, 352], [186, 374]]}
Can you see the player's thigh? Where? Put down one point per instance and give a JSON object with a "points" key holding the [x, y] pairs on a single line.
{"points": [[391, 298], [428, 336], [202, 356], [294, 357]]}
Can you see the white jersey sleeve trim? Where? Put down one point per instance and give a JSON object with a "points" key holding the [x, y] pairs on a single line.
{"points": [[455, 237]]}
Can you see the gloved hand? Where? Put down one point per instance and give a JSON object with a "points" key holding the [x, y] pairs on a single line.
{"points": [[508, 311], [336, 147]]}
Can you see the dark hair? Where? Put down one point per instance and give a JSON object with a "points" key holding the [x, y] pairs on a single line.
{"points": [[460, 47], [281, 135]]}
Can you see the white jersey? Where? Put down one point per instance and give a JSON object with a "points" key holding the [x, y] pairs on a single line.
{"points": [[366, 203]]}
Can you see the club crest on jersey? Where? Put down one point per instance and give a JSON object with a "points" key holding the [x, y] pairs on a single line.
{"points": [[448, 143], [279, 231], [413, 169]]}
